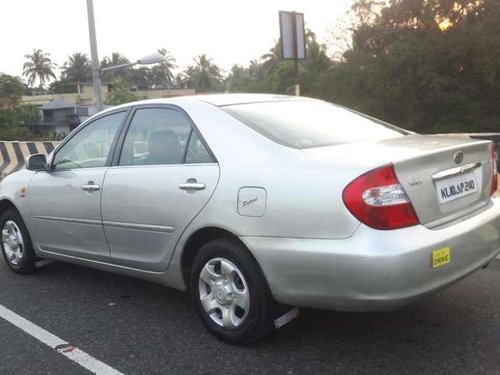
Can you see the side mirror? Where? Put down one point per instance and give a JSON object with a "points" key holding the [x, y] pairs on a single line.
{"points": [[36, 162]]}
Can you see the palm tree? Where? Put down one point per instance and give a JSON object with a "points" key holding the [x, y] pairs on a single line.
{"points": [[181, 80], [204, 75], [77, 69], [243, 79], [38, 65], [162, 74], [141, 78], [273, 57], [115, 59], [315, 67], [254, 67], [317, 58]]}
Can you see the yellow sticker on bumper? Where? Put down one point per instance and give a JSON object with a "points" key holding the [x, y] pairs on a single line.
{"points": [[441, 257]]}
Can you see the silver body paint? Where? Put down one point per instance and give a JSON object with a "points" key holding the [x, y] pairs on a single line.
{"points": [[284, 204]]}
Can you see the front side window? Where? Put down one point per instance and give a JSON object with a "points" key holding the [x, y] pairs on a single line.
{"points": [[156, 136], [90, 147]]}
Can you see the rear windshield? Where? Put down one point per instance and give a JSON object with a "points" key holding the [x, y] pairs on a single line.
{"points": [[310, 123]]}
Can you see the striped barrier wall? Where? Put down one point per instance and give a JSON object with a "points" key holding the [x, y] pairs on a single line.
{"points": [[13, 154]]}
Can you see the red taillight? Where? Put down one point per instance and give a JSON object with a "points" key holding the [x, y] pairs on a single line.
{"points": [[494, 180], [378, 200]]}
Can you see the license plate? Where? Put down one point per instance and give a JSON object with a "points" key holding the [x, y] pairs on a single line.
{"points": [[441, 257], [456, 187]]}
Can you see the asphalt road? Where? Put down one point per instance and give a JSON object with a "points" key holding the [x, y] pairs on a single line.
{"points": [[142, 328]]}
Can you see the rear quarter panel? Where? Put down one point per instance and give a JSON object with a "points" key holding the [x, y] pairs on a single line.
{"points": [[304, 192]]}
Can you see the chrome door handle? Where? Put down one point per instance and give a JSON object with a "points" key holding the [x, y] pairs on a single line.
{"points": [[192, 184], [91, 187]]}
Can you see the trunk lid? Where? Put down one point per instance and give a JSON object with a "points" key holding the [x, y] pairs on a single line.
{"points": [[445, 178]]}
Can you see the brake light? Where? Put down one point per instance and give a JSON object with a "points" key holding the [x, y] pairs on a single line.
{"points": [[494, 180], [378, 200]]}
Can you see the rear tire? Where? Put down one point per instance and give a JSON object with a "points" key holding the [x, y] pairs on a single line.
{"points": [[16, 243], [230, 293]]}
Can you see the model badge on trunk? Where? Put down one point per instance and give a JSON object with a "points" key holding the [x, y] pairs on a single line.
{"points": [[415, 182]]}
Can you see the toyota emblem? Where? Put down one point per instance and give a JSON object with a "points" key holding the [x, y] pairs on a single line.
{"points": [[458, 157]]}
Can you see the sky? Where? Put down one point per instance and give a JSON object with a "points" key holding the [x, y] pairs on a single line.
{"points": [[228, 31]]}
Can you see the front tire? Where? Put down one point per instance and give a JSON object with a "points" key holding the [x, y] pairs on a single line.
{"points": [[16, 243], [230, 293]]}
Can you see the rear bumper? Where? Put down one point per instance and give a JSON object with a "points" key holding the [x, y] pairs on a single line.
{"points": [[375, 270]]}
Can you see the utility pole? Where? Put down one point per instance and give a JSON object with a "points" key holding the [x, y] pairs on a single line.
{"points": [[295, 53], [96, 73]]}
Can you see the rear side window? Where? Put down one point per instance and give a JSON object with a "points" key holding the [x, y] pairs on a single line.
{"points": [[196, 152], [156, 136], [310, 123]]}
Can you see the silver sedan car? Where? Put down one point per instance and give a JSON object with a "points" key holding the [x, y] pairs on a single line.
{"points": [[258, 202]]}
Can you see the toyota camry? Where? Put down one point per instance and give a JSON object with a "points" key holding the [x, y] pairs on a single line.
{"points": [[256, 204]]}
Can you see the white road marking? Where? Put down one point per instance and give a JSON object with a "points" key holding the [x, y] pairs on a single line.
{"points": [[76, 355]]}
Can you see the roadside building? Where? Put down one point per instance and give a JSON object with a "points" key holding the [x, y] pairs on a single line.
{"points": [[61, 113], [59, 117]]}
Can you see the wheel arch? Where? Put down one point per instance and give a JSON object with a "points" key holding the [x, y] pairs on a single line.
{"points": [[5, 204], [197, 240]]}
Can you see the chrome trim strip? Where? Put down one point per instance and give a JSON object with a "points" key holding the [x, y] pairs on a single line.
{"points": [[117, 167], [145, 227], [113, 224], [455, 171], [68, 220], [59, 255]]}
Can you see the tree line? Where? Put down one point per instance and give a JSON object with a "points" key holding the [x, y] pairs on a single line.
{"points": [[426, 65], [39, 69]]}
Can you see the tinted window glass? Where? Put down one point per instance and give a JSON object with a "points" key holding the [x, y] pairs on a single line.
{"points": [[308, 123], [89, 147], [197, 153], [155, 136]]}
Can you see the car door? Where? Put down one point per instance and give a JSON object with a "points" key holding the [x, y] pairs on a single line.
{"points": [[64, 202], [161, 180]]}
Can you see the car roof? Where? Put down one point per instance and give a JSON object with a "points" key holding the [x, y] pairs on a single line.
{"points": [[218, 100], [221, 100]]}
